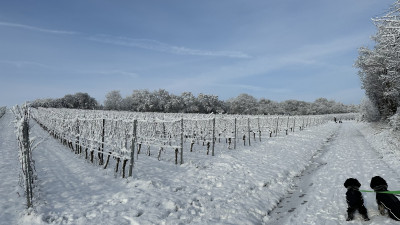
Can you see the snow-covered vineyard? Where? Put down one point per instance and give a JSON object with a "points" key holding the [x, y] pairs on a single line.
{"points": [[122, 135], [193, 169]]}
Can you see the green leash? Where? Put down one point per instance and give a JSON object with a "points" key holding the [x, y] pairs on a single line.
{"points": [[384, 192]]}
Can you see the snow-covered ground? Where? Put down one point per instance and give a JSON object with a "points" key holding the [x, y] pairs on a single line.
{"points": [[12, 198], [294, 179]]}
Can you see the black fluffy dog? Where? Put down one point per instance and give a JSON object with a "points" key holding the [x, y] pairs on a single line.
{"points": [[385, 201], [354, 199]]}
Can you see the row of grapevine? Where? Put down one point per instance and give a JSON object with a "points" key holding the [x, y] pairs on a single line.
{"points": [[27, 175], [99, 135]]}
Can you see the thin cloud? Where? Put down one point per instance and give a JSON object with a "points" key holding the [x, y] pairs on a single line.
{"points": [[162, 47], [25, 64], [114, 72], [240, 86], [311, 55], [27, 27], [136, 43]]}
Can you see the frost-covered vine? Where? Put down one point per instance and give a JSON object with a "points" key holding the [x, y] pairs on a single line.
{"points": [[27, 175]]}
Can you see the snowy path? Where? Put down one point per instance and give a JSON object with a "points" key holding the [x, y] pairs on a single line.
{"points": [[12, 201], [242, 186], [319, 197]]}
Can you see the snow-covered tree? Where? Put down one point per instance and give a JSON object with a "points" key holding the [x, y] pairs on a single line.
{"points": [[243, 104], [175, 104], [268, 107], [368, 111], [394, 121], [161, 101], [380, 67], [84, 101], [113, 100], [294, 107], [190, 103], [209, 103], [127, 103]]}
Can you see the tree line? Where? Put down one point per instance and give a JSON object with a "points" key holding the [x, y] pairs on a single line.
{"points": [[76, 101], [379, 67], [163, 101]]}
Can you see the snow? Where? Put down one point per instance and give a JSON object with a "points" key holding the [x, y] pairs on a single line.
{"points": [[12, 198], [293, 179]]}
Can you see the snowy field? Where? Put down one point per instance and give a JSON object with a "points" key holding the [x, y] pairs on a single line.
{"points": [[294, 179]]}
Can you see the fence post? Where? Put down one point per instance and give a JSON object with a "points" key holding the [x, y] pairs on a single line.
{"points": [[277, 126], [259, 128], [77, 137], [234, 143], [181, 141], [28, 177], [213, 138], [133, 147], [294, 124], [101, 157], [287, 125], [248, 128]]}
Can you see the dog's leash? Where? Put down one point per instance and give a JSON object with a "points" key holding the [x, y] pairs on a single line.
{"points": [[397, 193]]}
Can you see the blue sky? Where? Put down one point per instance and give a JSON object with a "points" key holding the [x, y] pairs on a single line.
{"points": [[276, 49]]}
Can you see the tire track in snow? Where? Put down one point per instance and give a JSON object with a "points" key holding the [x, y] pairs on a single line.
{"points": [[301, 184], [348, 155]]}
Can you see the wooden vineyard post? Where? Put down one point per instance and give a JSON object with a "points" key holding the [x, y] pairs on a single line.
{"points": [[248, 129], [28, 169], [277, 126], [116, 167], [287, 125], [123, 167], [213, 138], [259, 128], [234, 141], [294, 124], [101, 156], [91, 156], [191, 145], [164, 133], [176, 156], [133, 148], [77, 137], [108, 159], [181, 141]]}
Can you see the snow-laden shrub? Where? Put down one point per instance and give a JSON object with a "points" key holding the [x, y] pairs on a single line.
{"points": [[394, 120], [2, 111], [368, 111]]}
